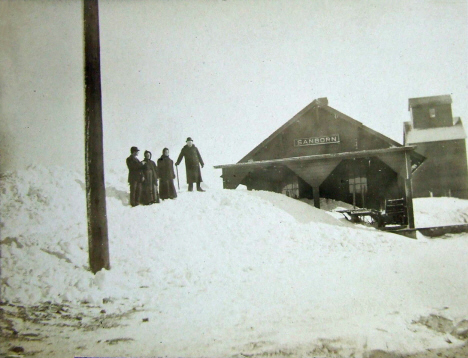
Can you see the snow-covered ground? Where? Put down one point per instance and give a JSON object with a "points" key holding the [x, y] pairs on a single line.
{"points": [[222, 273], [440, 211]]}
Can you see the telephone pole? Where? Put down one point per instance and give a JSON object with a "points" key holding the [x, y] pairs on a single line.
{"points": [[98, 242]]}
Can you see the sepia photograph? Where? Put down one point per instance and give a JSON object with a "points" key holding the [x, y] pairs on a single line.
{"points": [[234, 178]]}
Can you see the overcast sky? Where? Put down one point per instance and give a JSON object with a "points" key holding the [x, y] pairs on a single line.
{"points": [[227, 73]]}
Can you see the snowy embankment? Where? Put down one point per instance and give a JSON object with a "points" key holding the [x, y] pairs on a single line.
{"points": [[431, 212], [224, 272]]}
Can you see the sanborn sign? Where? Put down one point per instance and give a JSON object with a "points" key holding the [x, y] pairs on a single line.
{"points": [[317, 140]]}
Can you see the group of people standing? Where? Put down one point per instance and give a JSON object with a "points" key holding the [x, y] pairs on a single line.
{"points": [[143, 175]]}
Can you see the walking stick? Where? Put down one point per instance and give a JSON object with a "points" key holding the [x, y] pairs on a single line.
{"points": [[177, 171]]}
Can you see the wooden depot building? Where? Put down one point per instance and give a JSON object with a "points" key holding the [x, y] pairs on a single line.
{"points": [[321, 152]]}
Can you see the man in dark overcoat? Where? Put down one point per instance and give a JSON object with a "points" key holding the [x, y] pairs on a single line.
{"points": [[135, 176], [193, 160]]}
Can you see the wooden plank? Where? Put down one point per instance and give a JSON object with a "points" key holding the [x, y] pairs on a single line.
{"points": [[435, 231], [443, 230]]}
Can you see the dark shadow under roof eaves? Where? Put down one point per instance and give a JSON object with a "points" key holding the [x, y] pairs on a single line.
{"points": [[344, 155]]}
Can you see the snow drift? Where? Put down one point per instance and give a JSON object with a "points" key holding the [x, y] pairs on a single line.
{"points": [[231, 268], [440, 211]]}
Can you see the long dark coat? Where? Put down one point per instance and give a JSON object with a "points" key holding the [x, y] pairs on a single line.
{"points": [[135, 167], [193, 160], [166, 178], [149, 192]]}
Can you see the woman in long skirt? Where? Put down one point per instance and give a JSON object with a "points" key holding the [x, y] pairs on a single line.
{"points": [[149, 187], [166, 176]]}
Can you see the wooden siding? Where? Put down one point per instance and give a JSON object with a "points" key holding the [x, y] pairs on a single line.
{"points": [[319, 123], [314, 173], [445, 172], [305, 152], [382, 183], [422, 119]]}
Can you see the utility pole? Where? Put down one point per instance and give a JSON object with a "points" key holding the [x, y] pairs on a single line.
{"points": [[98, 242]]}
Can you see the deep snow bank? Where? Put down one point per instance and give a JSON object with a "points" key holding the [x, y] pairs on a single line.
{"points": [[236, 265], [440, 211], [45, 244]]}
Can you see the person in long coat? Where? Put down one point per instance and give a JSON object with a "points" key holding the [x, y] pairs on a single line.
{"points": [[193, 160], [166, 176], [135, 176], [149, 190]]}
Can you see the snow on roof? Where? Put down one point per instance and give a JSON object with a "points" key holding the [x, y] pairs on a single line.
{"points": [[414, 136]]}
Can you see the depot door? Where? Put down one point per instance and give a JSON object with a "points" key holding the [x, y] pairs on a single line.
{"points": [[357, 182], [358, 189]]}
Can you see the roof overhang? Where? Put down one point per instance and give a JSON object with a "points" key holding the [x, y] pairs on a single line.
{"points": [[415, 157], [438, 134]]}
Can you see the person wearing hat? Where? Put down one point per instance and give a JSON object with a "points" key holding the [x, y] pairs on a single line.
{"points": [[149, 187], [166, 176], [135, 176], [193, 160]]}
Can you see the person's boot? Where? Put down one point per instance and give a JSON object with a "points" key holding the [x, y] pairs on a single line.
{"points": [[190, 187], [199, 187]]}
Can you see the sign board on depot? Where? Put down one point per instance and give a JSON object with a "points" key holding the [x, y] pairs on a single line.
{"points": [[332, 139]]}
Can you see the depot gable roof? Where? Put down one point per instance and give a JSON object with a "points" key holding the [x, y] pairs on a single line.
{"points": [[323, 104]]}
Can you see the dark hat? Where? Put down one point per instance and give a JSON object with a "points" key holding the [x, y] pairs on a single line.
{"points": [[134, 149], [189, 139]]}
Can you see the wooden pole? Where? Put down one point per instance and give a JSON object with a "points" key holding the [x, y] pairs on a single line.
{"points": [[409, 192], [316, 192], [316, 188], [94, 160]]}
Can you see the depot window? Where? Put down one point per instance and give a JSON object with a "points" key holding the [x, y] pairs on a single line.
{"points": [[358, 185], [291, 189]]}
